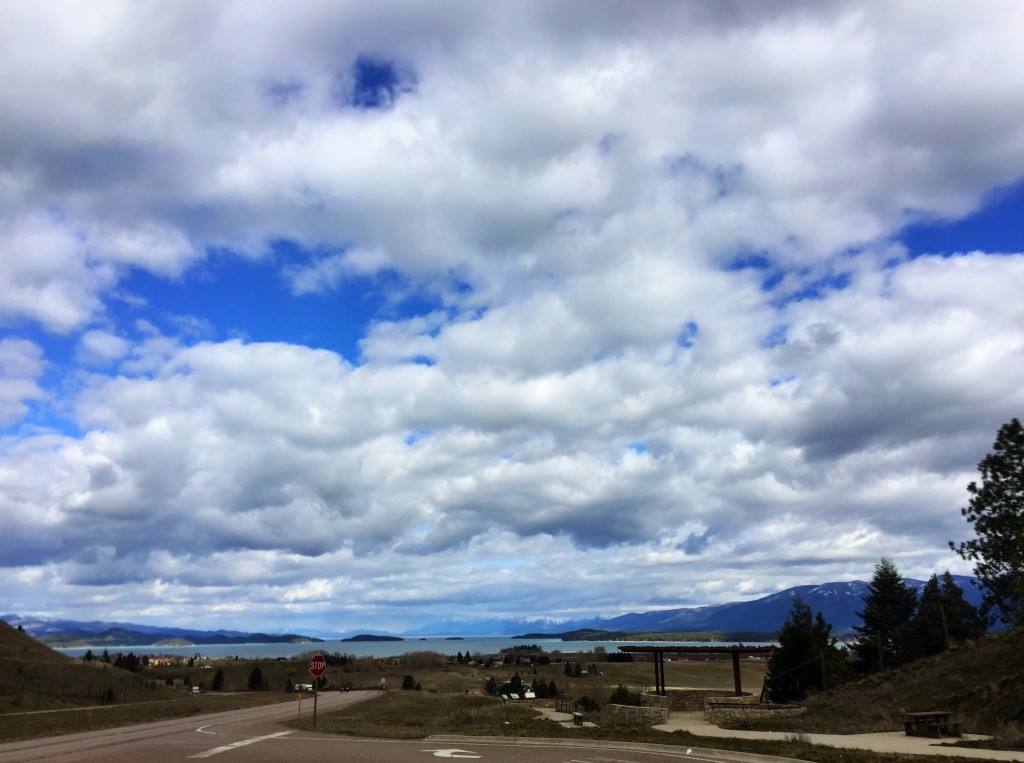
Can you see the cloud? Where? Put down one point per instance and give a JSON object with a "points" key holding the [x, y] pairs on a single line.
{"points": [[21, 366], [99, 346], [644, 315]]}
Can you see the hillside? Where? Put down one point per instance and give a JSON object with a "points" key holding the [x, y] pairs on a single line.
{"points": [[982, 680], [17, 648], [35, 677]]}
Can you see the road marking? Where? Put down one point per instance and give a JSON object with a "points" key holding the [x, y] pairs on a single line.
{"points": [[452, 754], [236, 745]]}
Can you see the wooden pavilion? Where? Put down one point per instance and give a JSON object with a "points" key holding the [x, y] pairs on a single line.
{"points": [[659, 653]]}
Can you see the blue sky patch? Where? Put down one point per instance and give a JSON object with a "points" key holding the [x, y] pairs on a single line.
{"points": [[688, 335], [725, 177], [816, 289], [376, 83], [775, 337], [415, 436], [749, 261], [996, 227]]}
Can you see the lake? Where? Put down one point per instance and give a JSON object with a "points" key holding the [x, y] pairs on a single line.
{"points": [[472, 644]]}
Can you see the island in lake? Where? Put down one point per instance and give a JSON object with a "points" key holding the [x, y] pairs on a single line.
{"points": [[371, 637]]}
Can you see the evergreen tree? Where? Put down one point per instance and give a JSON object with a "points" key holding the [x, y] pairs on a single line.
{"points": [[491, 687], [943, 617], [623, 696], [218, 681], [806, 657], [127, 662], [883, 638], [513, 686], [256, 680], [996, 510]]}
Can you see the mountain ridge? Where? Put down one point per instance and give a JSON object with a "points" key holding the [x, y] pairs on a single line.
{"points": [[74, 633], [838, 603]]}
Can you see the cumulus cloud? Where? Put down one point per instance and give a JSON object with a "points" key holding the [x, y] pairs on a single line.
{"points": [[21, 365], [642, 313]]}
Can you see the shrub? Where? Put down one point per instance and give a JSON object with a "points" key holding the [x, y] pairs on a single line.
{"points": [[587, 704], [623, 696]]}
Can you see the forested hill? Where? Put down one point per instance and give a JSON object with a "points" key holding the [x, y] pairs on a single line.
{"points": [[71, 633]]}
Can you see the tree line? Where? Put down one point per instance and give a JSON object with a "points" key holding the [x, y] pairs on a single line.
{"points": [[897, 624]]}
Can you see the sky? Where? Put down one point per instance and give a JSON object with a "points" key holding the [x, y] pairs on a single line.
{"points": [[329, 316]]}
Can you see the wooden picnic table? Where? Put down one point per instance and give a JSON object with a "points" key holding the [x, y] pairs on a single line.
{"points": [[931, 723]]}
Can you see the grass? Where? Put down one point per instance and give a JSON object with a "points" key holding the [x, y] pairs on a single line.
{"points": [[417, 715], [982, 681]]}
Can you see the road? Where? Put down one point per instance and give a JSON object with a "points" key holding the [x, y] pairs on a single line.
{"points": [[256, 734]]}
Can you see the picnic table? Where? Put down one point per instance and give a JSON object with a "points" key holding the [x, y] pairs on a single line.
{"points": [[931, 723]]}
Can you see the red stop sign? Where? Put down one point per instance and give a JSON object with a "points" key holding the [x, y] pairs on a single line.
{"points": [[317, 665]]}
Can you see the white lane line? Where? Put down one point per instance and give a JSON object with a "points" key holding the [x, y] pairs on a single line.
{"points": [[235, 745]]}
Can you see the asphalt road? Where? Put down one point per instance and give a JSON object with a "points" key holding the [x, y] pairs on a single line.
{"points": [[257, 735]]}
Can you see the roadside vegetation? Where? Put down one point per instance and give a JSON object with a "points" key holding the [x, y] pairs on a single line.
{"points": [[401, 715]]}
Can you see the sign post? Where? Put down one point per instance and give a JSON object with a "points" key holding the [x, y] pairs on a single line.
{"points": [[317, 666]]}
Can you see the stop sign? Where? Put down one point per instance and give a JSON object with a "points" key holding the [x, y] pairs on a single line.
{"points": [[317, 665]]}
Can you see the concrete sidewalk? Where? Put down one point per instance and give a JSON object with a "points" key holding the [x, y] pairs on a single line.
{"points": [[886, 741]]}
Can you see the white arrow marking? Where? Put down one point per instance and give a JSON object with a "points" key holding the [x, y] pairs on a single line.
{"points": [[452, 754], [236, 745]]}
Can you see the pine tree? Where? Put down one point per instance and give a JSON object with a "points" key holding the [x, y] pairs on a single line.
{"points": [[806, 658], [256, 682], [943, 617], [883, 638], [996, 510]]}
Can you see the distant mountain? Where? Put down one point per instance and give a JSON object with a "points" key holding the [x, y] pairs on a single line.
{"points": [[837, 602], [71, 633]]}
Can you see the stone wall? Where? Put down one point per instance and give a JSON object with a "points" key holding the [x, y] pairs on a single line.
{"points": [[733, 710], [629, 715], [685, 700]]}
